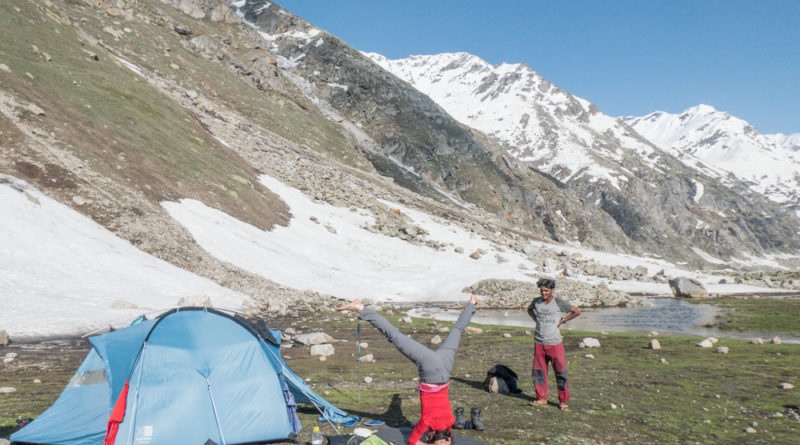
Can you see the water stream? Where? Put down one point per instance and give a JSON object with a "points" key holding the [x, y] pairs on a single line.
{"points": [[663, 314]]}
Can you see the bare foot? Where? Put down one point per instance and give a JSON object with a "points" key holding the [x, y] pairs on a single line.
{"points": [[473, 299], [538, 402], [563, 406], [355, 305]]}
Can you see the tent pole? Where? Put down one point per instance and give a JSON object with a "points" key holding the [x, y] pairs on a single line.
{"points": [[325, 416], [358, 340], [136, 398], [214, 407]]}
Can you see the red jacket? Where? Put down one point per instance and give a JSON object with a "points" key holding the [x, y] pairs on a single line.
{"points": [[436, 414]]}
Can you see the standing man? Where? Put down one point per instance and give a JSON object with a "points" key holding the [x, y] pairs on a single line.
{"points": [[547, 312]]}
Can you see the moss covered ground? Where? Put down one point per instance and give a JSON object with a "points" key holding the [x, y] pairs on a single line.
{"points": [[625, 394], [775, 315]]}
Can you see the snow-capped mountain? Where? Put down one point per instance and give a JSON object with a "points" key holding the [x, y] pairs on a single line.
{"points": [[769, 164], [562, 134]]}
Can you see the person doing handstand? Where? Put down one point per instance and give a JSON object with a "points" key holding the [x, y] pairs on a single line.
{"points": [[434, 368]]}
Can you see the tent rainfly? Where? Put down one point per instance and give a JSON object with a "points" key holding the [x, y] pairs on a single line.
{"points": [[191, 376]]}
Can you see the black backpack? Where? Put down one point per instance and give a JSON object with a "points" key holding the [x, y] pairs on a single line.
{"points": [[501, 379]]}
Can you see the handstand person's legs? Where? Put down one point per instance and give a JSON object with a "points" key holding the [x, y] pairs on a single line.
{"points": [[407, 346], [450, 344]]}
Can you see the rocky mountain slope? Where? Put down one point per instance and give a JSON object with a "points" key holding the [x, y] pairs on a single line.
{"points": [[768, 164], [116, 107], [648, 191]]}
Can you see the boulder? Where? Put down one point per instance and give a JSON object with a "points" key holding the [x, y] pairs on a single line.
{"points": [[313, 338], [655, 344], [589, 342], [706, 343], [687, 288], [369, 358], [323, 349]]}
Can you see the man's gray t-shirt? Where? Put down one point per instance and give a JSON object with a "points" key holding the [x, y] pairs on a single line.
{"points": [[547, 317]]}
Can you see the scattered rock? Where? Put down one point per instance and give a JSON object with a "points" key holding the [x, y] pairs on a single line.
{"points": [[722, 349], [506, 335], [36, 381], [290, 331], [7, 390], [313, 338], [528, 333], [655, 344], [613, 406], [475, 255], [750, 430], [653, 333], [706, 343], [786, 385], [687, 288], [322, 349], [473, 330], [408, 320], [757, 341], [322, 358], [4, 339], [4, 67], [776, 340], [183, 31], [589, 356], [443, 329], [436, 340], [664, 361], [363, 345], [589, 342], [713, 340], [367, 379], [367, 358]]}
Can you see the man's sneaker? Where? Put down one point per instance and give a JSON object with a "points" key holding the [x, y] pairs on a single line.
{"points": [[477, 423], [461, 422]]}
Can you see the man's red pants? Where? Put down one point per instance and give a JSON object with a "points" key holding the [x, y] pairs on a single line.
{"points": [[542, 356]]}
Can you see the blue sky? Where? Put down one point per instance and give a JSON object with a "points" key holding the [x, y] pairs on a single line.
{"points": [[628, 57]]}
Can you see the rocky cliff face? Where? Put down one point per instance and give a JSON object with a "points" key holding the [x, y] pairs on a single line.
{"points": [[113, 107]]}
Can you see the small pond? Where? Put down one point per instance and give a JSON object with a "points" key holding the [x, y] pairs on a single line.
{"points": [[663, 314]]}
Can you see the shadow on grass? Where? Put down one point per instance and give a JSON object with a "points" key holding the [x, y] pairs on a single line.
{"points": [[393, 416]]}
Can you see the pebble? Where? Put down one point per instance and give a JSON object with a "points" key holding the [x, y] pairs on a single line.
{"points": [[613, 406], [705, 343], [506, 335], [663, 360], [436, 340], [37, 381], [589, 356], [750, 430], [367, 379], [757, 341], [722, 349], [786, 385], [776, 340]]}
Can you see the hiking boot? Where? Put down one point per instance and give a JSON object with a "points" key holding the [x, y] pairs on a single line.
{"points": [[477, 423], [461, 421]]}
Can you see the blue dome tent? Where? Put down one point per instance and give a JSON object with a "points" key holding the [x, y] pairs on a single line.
{"points": [[192, 375]]}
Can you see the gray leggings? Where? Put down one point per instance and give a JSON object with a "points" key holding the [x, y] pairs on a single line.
{"points": [[434, 366]]}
